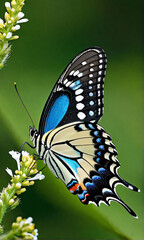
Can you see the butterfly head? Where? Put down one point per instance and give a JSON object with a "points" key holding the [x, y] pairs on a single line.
{"points": [[33, 133]]}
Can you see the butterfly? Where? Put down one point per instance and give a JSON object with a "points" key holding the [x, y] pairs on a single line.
{"points": [[69, 140]]}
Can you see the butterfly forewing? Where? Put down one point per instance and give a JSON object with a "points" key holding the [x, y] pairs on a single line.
{"points": [[78, 94]]}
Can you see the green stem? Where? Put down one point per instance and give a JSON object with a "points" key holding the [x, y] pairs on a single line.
{"points": [[8, 235], [6, 205]]}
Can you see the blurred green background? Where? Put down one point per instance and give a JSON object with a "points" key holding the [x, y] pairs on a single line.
{"points": [[57, 31]]}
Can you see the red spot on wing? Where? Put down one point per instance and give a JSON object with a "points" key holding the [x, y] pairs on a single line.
{"points": [[74, 188]]}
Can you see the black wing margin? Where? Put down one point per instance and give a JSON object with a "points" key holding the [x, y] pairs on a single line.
{"points": [[83, 83]]}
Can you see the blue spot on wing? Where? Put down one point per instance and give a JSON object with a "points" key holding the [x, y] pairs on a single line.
{"points": [[73, 164], [91, 126], [82, 195], [96, 133], [57, 112], [75, 85], [90, 186], [101, 147], [102, 171]]}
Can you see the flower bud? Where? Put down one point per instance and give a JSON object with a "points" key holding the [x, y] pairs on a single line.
{"points": [[25, 183], [11, 201], [31, 183], [7, 16], [18, 185], [1, 203], [18, 219]]}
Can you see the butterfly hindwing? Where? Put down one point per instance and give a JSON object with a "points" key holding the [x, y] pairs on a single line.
{"points": [[83, 156], [78, 93]]}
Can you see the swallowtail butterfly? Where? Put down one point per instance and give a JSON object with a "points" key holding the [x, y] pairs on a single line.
{"points": [[76, 149]]}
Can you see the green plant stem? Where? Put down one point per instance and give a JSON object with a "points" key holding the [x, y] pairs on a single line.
{"points": [[8, 235], [6, 205]]}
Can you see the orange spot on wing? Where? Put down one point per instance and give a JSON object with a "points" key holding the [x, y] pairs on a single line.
{"points": [[75, 187]]}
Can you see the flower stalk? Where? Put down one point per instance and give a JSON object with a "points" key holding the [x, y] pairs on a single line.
{"points": [[21, 229], [13, 17], [24, 176]]}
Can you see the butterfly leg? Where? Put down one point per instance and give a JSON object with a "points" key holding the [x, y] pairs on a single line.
{"points": [[21, 148], [39, 158]]}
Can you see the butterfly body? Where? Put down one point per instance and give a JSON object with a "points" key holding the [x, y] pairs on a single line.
{"points": [[76, 149]]}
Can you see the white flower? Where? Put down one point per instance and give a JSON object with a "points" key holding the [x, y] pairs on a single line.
{"points": [[1, 21], [38, 176], [20, 15], [7, 5], [16, 156], [22, 20], [16, 27], [9, 171], [25, 153], [36, 232], [33, 237], [9, 35], [18, 185], [29, 220]]}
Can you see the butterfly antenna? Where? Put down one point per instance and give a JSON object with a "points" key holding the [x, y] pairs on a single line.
{"points": [[23, 104]]}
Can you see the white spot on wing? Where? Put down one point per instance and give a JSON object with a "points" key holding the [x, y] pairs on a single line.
{"points": [[130, 187], [65, 81], [79, 91], [105, 135], [84, 63], [76, 73], [79, 98], [112, 180], [112, 168], [81, 115], [80, 74], [114, 158], [68, 83], [90, 75], [80, 106], [108, 142], [71, 73], [106, 190], [106, 156], [90, 82], [100, 66], [111, 149]]}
